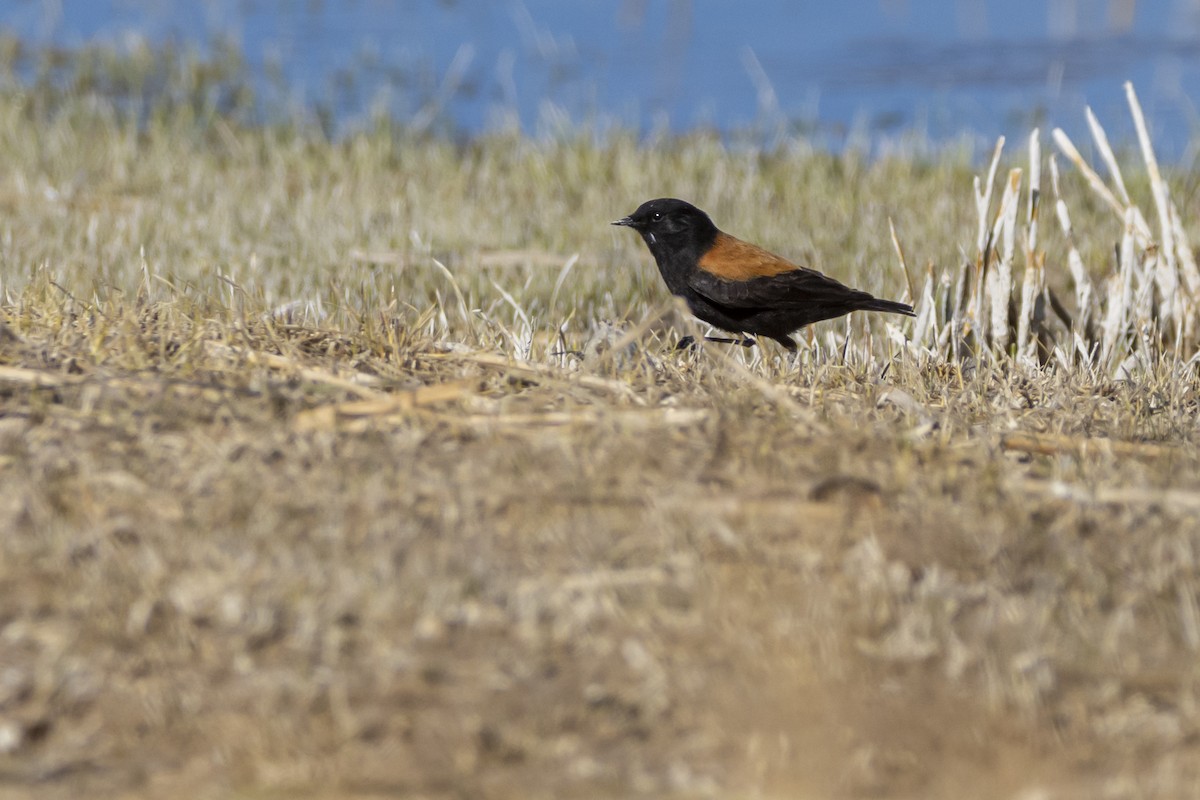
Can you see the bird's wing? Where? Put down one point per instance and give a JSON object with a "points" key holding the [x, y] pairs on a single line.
{"points": [[796, 288], [734, 260]]}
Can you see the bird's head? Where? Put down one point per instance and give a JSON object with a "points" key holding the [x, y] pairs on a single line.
{"points": [[670, 226]]}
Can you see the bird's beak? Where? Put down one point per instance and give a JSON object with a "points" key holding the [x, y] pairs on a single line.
{"points": [[626, 221]]}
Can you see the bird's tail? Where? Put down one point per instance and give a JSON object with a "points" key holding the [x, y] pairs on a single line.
{"points": [[890, 306]]}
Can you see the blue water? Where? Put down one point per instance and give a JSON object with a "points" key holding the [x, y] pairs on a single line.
{"points": [[867, 72]]}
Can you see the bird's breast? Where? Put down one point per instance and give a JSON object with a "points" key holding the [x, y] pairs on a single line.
{"points": [[674, 273]]}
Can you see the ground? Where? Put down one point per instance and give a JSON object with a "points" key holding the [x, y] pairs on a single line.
{"points": [[530, 587]]}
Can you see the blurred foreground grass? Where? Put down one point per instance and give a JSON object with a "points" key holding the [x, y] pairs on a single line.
{"points": [[289, 509]]}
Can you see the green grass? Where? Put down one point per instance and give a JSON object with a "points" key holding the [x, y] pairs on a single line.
{"points": [[386, 542]]}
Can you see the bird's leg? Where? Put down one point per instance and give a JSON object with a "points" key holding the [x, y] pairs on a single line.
{"points": [[788, 342], [689, 342], [744, 342], [793, 351]]}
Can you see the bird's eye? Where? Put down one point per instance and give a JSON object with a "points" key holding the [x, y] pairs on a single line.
{"points": [[656, 216]]}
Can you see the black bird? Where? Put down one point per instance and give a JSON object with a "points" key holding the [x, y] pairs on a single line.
{"points": [[738, 286]]}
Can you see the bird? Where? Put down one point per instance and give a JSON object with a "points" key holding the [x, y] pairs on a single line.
{"points": [[738, 286]]}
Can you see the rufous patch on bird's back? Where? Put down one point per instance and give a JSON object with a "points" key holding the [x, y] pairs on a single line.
{"points": [[731, 259]]}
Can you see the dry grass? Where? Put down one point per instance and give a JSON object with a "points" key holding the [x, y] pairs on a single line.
{"points": [[291, 510]]}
